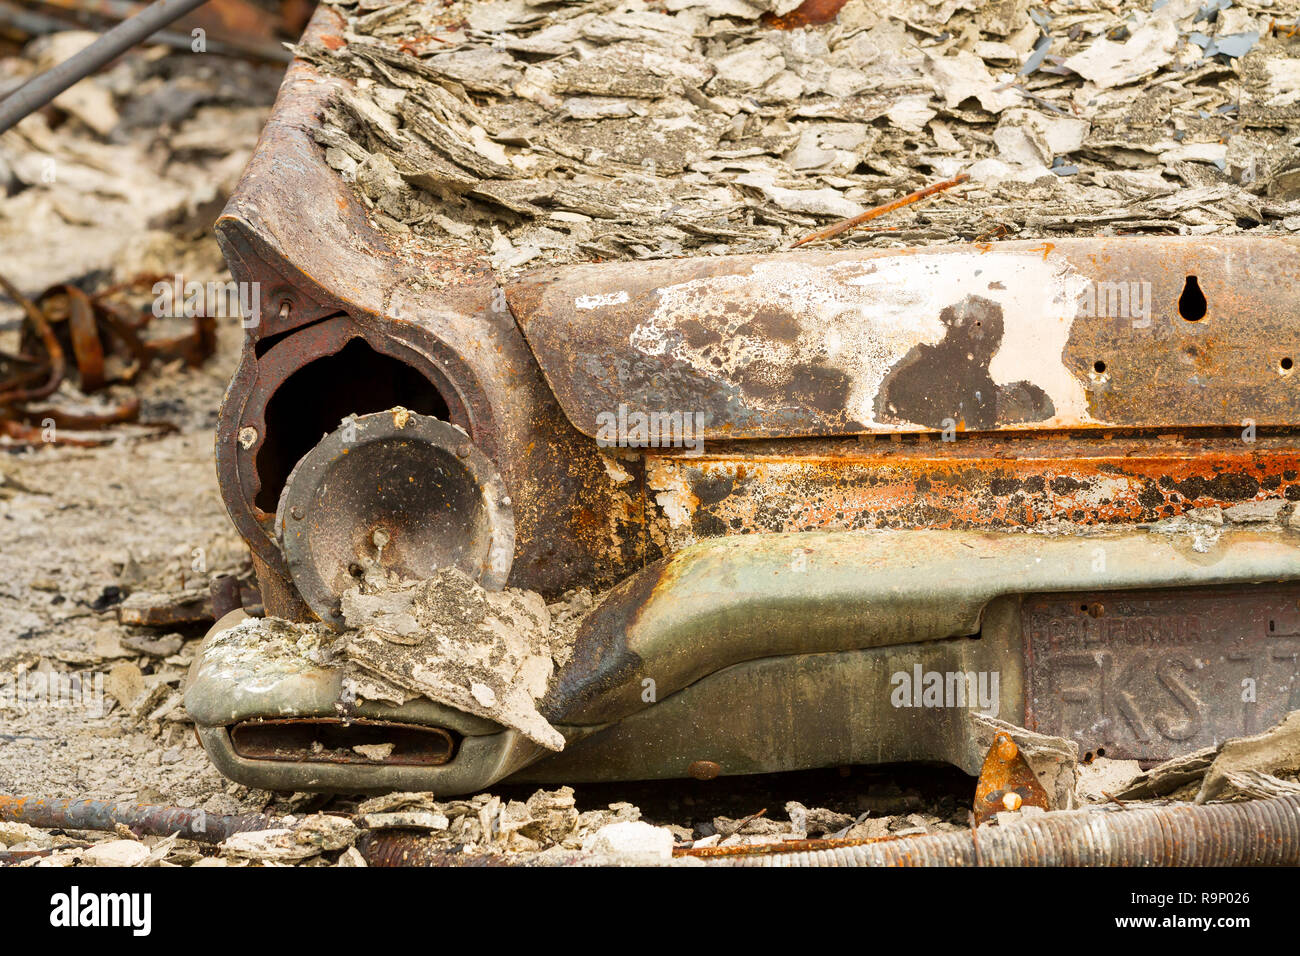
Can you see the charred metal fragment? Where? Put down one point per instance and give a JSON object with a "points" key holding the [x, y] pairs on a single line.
{"points": [[680, 334], [1007, 783], [395, 492]]}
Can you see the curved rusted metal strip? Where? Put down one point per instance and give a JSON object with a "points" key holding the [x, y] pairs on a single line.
{"points": [[57, 361], [86, 345]]}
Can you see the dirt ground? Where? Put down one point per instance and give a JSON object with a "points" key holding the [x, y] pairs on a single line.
{"points": [[80, 526]]}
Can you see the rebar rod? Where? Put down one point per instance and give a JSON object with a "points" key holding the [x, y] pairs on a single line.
{"points": [[39, 90], [141, 819]]}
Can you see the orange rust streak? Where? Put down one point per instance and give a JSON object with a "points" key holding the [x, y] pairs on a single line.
{"points": [[786, 846], [1005, 771], [809, 13], [833, 492]]}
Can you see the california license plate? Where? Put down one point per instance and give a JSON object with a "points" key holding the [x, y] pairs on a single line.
{"points": [[1150, 675]]}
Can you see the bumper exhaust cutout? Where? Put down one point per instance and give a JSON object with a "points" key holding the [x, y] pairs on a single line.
{"points": [[333, 740]]}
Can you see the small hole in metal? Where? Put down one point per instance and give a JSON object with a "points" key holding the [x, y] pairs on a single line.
{"points": [[1191, 304]]}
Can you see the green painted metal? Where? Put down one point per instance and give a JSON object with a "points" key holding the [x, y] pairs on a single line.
{"points": [[804, 710], [757, 652], [745, 597]]}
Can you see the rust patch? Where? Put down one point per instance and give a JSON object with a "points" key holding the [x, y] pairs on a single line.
{"points": [[968, 484], [807, 14], [799, 344], [1007, 782]]}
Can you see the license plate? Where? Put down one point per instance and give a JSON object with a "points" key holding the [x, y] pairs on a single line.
{"points": [[1150, 675]]}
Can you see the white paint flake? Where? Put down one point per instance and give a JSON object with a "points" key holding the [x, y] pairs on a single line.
{"points": [[862, 316]]}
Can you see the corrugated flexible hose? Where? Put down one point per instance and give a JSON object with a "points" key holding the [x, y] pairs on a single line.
{"points": [[1258, 833]]}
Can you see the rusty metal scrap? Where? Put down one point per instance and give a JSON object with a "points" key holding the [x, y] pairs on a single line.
{"points": [[187, 608], [807, 14], [844, 225], [10, 857], [1007, 782], [785, 846], [66, 322], [1257, 833], [141, 819], [160, 610]]}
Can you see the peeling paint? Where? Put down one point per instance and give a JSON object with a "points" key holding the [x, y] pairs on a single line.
{"points": [[672, 493], [618, 474], [807, 344], [598, 301], [862, 318]]}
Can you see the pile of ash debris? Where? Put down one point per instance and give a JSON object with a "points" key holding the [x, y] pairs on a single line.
{"points": [[553, 132], [488, 653]]}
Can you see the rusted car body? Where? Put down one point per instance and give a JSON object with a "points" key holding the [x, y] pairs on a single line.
{"points": [[1072, 464]]}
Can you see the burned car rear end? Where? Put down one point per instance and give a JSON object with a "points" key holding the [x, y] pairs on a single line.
{"points": [[822, 503]]}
